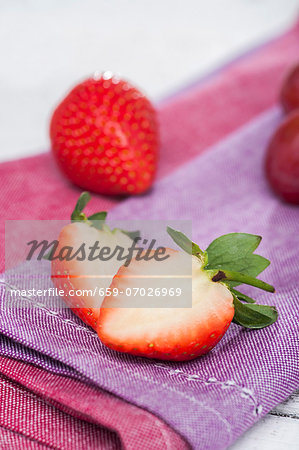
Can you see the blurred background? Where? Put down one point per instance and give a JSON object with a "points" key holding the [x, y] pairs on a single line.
{"points": [[161, 45]]}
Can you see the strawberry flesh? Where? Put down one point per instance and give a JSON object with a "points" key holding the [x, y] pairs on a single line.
{"points": [[165, 332], [78, 278]]}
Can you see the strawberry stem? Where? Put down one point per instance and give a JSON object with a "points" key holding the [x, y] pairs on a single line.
{"points": [[227, 275]]}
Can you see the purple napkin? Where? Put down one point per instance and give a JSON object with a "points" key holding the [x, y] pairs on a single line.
{"points": [[214, 399], [13, 349]]}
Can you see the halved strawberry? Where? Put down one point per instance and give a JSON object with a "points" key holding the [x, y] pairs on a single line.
{"points": [[84, 281], [176, 307], [132, 322], [165, 332]]}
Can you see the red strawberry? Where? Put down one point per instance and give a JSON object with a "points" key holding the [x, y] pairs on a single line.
{"points": [[131, 322], [282, 159], [104, 137], [165, 333], [83, 276], [80, 276], [146, 311], [290, 90]]}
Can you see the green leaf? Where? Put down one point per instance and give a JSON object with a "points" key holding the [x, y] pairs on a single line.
{"points": [[254, 316], [82, 201], [132, 234], [80, 205], [98, 216], [231, 245], [230, 260], [180, 239], [252, 265], [242, 296], [234, 252], [184, 242], [48, 256], [98, 219]]}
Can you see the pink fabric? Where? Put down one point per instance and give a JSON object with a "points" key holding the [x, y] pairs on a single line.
{"points": [[78, 410], [33, 188], [24, 413], [14, 441]]}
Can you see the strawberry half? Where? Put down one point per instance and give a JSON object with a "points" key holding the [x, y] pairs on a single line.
{"points": [[142, 314], [104, 136], [167, 332], [180, 334], [85, 278]]}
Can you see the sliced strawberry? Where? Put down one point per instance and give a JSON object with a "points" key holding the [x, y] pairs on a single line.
{"points": [[169, 333], [82, 280], [175, 306], [82, 277], [164, 327]]}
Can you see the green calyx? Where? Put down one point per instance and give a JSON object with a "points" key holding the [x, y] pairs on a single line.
{"points": [[230, 259], [98, 219]]}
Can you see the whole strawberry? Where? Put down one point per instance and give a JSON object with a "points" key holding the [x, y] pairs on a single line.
{"points": [[104, 137], [282, 159], [289, 94]]}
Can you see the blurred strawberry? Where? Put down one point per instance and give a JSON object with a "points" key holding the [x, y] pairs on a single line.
{"points": [[104, 136], [290, 90], [282, 159]]}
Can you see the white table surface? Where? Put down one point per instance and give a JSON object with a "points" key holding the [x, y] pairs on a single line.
{"points": [[46, 46]]}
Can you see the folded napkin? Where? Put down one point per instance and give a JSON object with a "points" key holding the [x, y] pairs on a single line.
{"points": [[102, 420], [210, 401], [29, 420]]}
